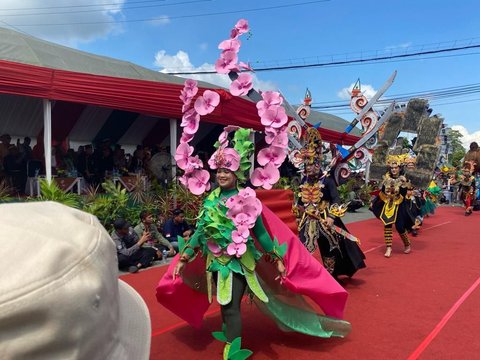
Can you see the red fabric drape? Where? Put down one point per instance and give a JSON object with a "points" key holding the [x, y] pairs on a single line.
{"points": [[142, 96]]}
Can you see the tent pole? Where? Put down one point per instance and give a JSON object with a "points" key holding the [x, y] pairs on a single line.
{"points": [[47, 138], [173, 144], [173, 150]]}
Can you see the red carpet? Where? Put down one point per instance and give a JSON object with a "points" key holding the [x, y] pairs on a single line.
{"points": [[422, 305]]}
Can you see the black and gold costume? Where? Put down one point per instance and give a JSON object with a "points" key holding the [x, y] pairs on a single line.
{"points": [[319, 199], [391, 208]]}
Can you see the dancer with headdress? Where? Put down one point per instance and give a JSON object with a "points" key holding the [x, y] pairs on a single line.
{"points": [[389, 205], [319, 210], [239, 245], [413, 203], [467, 187]]}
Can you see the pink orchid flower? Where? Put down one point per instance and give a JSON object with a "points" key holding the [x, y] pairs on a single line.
{"points": [[182, 154], [226, 158], [186, 138], [198, 183], [274, 118], [239, 238], [234, 33], [242, 26], [243, 231], [206, 103], [186, 106], [214, 248], [230, 44], [244, 220], [185, 97], [247, 192], [242, 85], [227, 62], [236, 249], [190, 122], [265, 177], [193, 164], [281, 140], [272, 154], [183, 180], [272, 98], [190, 87]]}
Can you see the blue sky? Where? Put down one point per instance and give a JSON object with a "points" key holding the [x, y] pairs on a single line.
{"points": [[293, 34]]}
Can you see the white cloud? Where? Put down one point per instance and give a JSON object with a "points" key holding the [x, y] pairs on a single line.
{"points": [[160, 20], [467, 137], [181, 62], [367, 90], [399, 46], [34, 13]]}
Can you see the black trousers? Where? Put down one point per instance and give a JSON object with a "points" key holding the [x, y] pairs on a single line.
{"points": [[231, 315], [143, 256]]}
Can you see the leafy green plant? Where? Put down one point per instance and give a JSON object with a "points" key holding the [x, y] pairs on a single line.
{"points": [[51, 192], [5, 191], [109, 206], [185, 200]]}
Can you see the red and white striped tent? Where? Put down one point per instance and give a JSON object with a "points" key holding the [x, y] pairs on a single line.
{"points": [[59, 93]]}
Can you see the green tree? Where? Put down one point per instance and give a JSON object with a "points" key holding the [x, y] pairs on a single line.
{"points": [[458, 151]]}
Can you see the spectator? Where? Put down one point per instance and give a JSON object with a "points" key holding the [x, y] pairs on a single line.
{"points": [[4, 146], [64, 300], [156, 240], [131, 254], [177, 226], [354, 202]]}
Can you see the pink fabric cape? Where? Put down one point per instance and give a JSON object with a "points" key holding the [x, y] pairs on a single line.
{"points": [[305, 276]]}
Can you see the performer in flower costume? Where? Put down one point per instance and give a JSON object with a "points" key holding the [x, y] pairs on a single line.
{"points": [[232, 249], [389, 205], [319, 212]]}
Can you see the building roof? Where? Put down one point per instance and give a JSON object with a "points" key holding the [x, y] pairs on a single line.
{"points": [[82, 85]]}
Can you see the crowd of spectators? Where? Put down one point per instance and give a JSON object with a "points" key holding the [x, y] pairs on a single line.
{"points": [[19, 161], [138, 247]]}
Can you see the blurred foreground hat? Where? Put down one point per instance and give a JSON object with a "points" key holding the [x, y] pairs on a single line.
{"points": [[61, 297]]}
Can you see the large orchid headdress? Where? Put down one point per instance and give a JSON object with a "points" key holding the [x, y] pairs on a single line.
{"points": [[233, 155]]}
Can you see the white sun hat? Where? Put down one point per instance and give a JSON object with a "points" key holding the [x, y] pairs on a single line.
{"points": [[60, 295]]}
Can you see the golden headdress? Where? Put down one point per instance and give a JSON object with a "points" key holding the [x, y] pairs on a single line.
{"points": [[311, 153]]}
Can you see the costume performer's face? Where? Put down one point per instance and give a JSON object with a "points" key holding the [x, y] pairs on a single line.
{"points": [[395, 169], [312, 169], [226, 179]]}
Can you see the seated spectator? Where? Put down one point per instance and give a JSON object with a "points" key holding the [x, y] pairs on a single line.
{"points": [[155, 240], [177, 226], [131, 254], [354, 202]]}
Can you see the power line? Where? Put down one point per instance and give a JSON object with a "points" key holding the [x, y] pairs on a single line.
{"points": [[79, 6], [344, 62], [181, 16], [118, 8], [430, 94]]}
